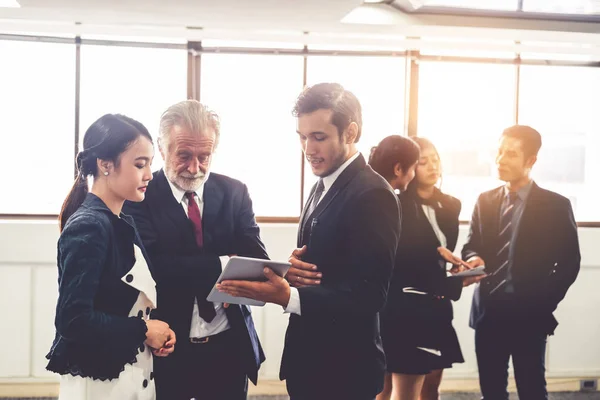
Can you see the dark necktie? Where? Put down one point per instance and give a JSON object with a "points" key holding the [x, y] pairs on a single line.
{"points": [[504, 238], [318, 193], [206, 309]]}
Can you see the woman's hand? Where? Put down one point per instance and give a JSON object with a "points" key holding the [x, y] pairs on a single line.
{"points": [[458, 264], [168, 347], [158, 333]]}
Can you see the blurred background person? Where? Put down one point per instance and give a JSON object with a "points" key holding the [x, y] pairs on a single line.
{"points": [[418, 337]]}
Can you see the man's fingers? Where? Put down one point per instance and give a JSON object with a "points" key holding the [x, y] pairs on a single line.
{"points": [[271, 276], [299, 252], [299, 264], [239, 288], [304, 273], [298, 281]]}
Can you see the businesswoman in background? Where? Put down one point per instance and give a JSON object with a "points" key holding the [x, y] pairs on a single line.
{"points": [[104, 337], [416, 324]]}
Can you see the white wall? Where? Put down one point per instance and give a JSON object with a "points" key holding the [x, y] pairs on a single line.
{"points": [[28, 291]]}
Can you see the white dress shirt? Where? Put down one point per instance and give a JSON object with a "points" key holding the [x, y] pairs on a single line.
{"points": [[294, 302], [200, 328], [431, 217]]}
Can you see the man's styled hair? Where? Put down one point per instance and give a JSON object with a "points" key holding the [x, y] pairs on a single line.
{"points": [[531, 140], [331, 96]]}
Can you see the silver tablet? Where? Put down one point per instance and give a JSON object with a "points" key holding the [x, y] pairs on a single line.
{"points": [[245, 269]]}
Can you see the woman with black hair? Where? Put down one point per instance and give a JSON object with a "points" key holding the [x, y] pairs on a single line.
{"points": [[416, 324], [104, 338], [395, 158]]}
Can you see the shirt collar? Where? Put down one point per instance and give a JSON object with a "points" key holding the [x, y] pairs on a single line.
{"points": [[523, 193], [330, 179], [180, 194]]}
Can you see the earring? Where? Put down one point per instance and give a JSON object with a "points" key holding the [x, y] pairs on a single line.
{"points": [[105, 173]]}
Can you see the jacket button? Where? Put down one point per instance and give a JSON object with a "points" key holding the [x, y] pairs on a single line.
{"points": [[129, 278], [142, 348], [145, 383], [151, 376], [140, 314], [147, 310]]}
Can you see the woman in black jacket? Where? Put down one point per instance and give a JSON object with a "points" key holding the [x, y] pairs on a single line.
{"points": [[418, 337], [104, 337]]}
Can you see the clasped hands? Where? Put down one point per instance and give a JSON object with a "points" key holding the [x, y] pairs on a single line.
{"points": [[160, 337]]}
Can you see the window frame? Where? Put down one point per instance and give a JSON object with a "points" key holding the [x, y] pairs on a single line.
{"points": [[195, 50]]}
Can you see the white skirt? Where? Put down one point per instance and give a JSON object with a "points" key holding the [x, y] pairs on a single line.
{"points": [[136, 382]]}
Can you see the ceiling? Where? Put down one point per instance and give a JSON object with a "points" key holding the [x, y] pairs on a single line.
{"points": [[280, 21], [581, 10], [237, 14]]}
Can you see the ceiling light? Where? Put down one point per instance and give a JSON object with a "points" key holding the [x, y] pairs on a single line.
{"points": [[379, 13], [9, 3]]}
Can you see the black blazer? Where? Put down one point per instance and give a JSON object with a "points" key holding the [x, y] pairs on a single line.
{"points": [[334, 348], [182, 270], [95, 337], [423, 319], [546, 259]]}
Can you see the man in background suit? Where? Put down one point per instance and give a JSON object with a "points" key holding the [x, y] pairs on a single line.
{"points": [[526, 237], [347, 241], [189, 222]]}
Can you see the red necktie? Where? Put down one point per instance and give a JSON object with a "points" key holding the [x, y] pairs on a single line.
{"points": [[206, 309], [195, 217]]}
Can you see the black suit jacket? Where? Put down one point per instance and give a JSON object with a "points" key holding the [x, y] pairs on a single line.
{"points": [[424, 320], [545, 262], [182, 270], [334, 348]]}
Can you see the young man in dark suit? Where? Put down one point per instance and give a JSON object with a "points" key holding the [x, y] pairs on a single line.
{"points": [[347, 241], [190, 221], [526, 237]]}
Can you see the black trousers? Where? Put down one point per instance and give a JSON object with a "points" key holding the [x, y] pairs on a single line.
{"points": [[202, 371], [494, 345]]}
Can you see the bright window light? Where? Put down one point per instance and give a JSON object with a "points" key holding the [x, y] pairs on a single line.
{"points": [[9, 3]]}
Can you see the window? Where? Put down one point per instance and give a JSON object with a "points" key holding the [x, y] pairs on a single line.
{"points": [[377, 82], [561, 103], [138, 82], [254, 96], [37, 99], [511, 5], [463, 109]]}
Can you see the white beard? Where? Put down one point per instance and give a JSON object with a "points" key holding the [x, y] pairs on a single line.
{"points": [[186, 184]]}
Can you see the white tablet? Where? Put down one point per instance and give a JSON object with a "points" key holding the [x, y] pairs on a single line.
{"points": [[245, 269], [477, 271]]}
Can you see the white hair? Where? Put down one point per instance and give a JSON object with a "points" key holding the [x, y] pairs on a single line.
{"points": [[191, 115]]}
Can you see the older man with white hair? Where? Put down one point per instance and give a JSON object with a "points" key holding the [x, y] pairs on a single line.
{"points": [[189, 220]]}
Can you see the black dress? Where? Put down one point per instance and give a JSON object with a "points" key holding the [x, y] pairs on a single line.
{"points": [[416, 323]]}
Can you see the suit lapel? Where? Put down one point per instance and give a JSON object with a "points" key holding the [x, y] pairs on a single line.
{"points": [[339, 184], [213, 199], [528, 217], [496, 203], [425, 224], [303, 215], [173, 210]]}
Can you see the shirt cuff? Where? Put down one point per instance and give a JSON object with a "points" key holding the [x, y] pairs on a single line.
{"points": [[224, 260], [293, 306]]}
